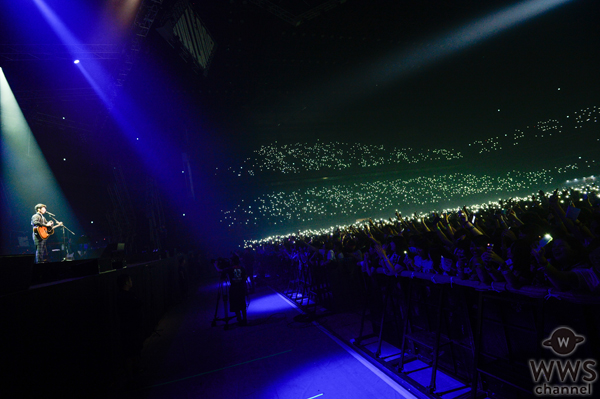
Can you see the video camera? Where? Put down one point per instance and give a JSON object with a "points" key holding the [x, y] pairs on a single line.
{"points": [[222, 264]]}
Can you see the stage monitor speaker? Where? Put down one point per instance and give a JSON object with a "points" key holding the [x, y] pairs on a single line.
{"points": [[15, 273]]}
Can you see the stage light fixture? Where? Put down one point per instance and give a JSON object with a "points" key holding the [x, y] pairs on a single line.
{"points": [[76, 62]]}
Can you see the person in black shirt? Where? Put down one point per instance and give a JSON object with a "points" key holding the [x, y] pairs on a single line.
{"points": [[237, 290], [247, 260], [37, 221], [237, 276]]}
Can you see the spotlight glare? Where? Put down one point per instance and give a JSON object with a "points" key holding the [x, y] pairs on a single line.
{"points": [[21, 164], [76, 62]]}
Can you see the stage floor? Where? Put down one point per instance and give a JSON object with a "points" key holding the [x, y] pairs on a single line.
{"points": [[272, 357]]}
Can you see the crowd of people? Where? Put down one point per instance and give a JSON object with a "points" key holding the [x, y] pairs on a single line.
{"points": [[330, 156], [298, 158], [336, 180], [352, 200], [548, 240], [303, 157]]}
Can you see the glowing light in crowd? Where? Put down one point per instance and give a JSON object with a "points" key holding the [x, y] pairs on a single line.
{"points": [[349, 201], [305, 157], [322, 203], [297, 158], [417, 217]]}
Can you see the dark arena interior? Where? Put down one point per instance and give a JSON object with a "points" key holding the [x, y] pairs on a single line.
{"points": [[299, 198]]}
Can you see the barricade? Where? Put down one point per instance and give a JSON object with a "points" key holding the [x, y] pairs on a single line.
{"points": [[482, 335]]}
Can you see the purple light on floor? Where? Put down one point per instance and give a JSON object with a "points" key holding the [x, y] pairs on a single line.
{"points": [[312, 373], [268, 304]]}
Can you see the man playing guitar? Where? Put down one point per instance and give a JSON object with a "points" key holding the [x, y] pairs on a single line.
{"points": [[42, 229]]}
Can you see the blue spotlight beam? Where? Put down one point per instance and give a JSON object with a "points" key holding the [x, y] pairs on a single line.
{"points": [[57, 25], [157, 154]]}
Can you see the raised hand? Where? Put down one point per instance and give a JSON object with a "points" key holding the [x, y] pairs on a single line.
{"points": [[491, 256], [445, 216]]}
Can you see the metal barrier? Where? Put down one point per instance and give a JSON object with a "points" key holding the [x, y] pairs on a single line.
{"points": [[482, 335]]}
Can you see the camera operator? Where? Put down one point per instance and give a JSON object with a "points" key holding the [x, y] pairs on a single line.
{"points": [[237, 289]]}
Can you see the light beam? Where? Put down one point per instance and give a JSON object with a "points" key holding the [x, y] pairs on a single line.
{"points": [[467, 36], [26, 176]]}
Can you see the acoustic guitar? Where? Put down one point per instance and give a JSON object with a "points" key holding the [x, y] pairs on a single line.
{"points": [[44, 232]]}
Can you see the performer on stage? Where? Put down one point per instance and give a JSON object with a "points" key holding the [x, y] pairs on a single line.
{"points": [[37, 221]]}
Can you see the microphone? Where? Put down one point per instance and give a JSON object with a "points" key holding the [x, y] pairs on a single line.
{"points": [[50, 213]]}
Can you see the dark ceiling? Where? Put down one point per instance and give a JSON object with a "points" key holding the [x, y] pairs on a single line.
{"points": [[271, 80]]}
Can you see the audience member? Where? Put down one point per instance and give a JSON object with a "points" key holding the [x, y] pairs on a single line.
{"points": [[504, 242]]}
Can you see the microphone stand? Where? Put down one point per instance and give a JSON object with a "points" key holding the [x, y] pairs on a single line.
{"points": [[65, 246]]}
